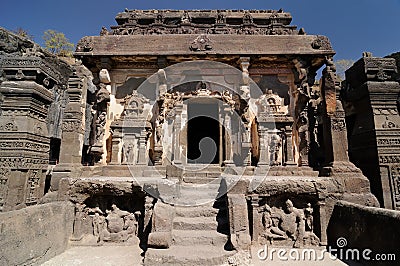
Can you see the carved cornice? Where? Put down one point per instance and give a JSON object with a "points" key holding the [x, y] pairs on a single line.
{"points": [[260, 22], [50, 68]]}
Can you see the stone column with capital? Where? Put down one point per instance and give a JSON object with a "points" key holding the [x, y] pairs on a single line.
{"points": [[177, 134], [335, 132], [245, 87], [228, 136]]}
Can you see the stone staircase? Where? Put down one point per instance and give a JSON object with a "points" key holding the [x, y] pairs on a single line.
{"points": [[201, 174], [199, 237]]}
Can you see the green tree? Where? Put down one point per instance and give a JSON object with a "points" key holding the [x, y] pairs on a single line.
{"points": [[57, 43], [341, 66]]}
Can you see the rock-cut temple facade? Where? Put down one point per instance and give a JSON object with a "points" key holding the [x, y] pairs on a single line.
{"points": [[187, 132]]}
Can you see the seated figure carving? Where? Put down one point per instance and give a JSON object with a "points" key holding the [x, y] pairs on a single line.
{"points": [[289, 224], [113, 225]]}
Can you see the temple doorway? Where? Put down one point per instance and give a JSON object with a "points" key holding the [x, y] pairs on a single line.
{"points": [[203, 134]]}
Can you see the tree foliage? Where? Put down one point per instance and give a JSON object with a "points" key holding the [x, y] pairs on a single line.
{"points": [[341, 66], [23, 33], [57, 43]]}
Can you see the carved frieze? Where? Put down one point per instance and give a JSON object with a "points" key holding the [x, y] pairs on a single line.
{"points": [[23, 163], [389, 159], [338, 124], [31, 146], [388, 142], [385, 111], [72, 125], [263, 22], [4, 175], [395, 175], [49, 67], [9, 126], [33, 186]]}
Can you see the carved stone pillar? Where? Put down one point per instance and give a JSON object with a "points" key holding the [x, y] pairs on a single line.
{"points": [[116, 149], [99, 149], [177, 133], [335, 133], [73, 124], [238, 221], [302, 95], [256, 219], [245, 88], [323, 223], [142, 148], [25, 143]]}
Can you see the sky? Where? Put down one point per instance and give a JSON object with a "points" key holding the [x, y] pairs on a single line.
{"points": [[353, 26]]}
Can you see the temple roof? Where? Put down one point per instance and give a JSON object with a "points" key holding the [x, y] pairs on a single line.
{"points": [[199, 33]]}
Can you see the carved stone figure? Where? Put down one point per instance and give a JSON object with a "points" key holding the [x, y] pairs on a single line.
{"points": [[288, 223], [115, 219], [159, 130], [304, 138], [185, 18], [100, 124], [309, 219], [79, 217], [271, 222], [98, 222], [201, 43], [128, 151], [274, 148]]}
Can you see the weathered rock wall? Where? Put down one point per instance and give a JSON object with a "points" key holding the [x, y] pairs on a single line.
{"points": [[33, 235], [365, 228]]}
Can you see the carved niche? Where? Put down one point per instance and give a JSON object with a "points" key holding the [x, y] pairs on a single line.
{"points": [[272, 104], [287, 225], [134, 105], [112, 225]]}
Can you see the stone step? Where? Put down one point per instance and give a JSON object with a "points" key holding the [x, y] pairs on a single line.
{"points": [[202, 174], [195, 237], [187, 255], [196, 211], [195, 223], [198, 180]]}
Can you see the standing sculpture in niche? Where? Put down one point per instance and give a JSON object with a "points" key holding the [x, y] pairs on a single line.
{"points": [[275, 145], [128, 151], [308, 217], [304, 138], [98, 222]]}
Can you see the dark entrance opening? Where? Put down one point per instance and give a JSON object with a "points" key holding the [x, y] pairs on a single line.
{"points": [[203, 133]]}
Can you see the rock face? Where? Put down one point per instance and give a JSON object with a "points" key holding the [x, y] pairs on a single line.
{"points": [[35, 234], [193, 130]]}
